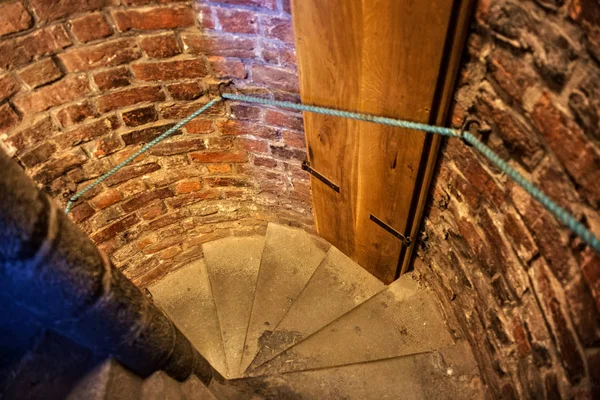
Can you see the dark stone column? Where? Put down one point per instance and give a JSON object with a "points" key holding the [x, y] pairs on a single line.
{"points": [[51, 268]]}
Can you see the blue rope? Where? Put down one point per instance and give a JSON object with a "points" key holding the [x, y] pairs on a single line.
{"points": [[141, 151], [560, 213]]}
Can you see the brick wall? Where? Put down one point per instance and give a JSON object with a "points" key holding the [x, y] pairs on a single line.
{"points": [[85, 83], [523, 290]]}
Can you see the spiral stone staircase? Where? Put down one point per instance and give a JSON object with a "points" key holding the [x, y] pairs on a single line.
{"points": [[287, 315]]}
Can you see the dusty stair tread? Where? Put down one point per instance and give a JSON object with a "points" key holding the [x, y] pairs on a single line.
{"points": [[107, 381], [194, 389], [446, 374], [186, 297], [289, 259], [160, 386], [396, 322], [337, 286], [233, 264]]}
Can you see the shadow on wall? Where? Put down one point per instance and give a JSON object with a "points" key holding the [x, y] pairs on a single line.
{"points": [[85, 84]]}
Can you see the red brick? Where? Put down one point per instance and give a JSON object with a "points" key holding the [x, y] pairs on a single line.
{"points": [[75, 113], [169, 253], [255, 146], [15, 17], [130, 172], [590, 265], [154, 18], [191, 198], [228, 181], [147, 134], [36, 132], [106, 199], [246, 112], [520, 238], [50, 10], [294, 139], [178, 147], [140, 116], [8, 118], [40, 73], [288, 154], [265, 162], [224, 68], [87, 132], [170, 70], [220, 157], [38, 155], [114, 229], [112, 78], [129, 97], [512, 74], [8, 86], [267, 4], [109, 54], [233, 127], [284, 120], [200, 126], [277, 53], [188, 186], [219, 168], [90, 27], [24, 49], [275, 77], [144, 198], [186, 90], [153, 211], [237, 21], [205, 16], [184, 109], [570, 145], [68, 89], [278, 28], [81, 212], [107, 145], [160, 46], [59, 167], [219, 45], [287, 7]]}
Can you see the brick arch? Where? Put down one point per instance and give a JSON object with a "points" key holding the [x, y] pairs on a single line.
{"points": [[85, 83]]}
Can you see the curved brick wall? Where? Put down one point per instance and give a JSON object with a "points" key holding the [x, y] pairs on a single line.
{"points": [[85, 83]]}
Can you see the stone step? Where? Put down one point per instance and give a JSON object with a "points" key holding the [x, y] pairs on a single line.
{"points": [[337, 286], [445, 374], [159, 386], [186, 297], [194, 389], [289, 259], [108, 381], [399, 321], [233, 264]]}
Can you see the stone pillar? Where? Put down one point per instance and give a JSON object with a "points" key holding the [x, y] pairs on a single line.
{"points": [[49, 267]]}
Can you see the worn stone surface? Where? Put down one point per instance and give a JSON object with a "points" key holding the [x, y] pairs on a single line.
{"points": [[107, 380]]}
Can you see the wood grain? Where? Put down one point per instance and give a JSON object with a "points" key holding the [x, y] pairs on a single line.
{"points": [[381, 57]]}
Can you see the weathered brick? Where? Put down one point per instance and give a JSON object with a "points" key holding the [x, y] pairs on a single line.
{"points": [[184, 187], [106, 199], [60, 166], [147, 134], [170, 70], [68, 89], [38, 155], [140, 116], [520, 238], [75, 113], [49, 10], [220, 168], [178, 147], [265, 162], [22, 50], [587, 14], [160, 46], [583, 312], [220, 157], [293, 139], [186, 90], [153, 211], [40, 73], [37, 131], [590, 265], [233, 127], [8, 86], [87, 132], [115, 228], [275, 78], [107, 145], [284, 120], [219, 45], [131, 172], [228, 181], [90, 27], [224, 68], [237, 21], [112, 78], [570, 145], [200, 126], [153, 18], [255, 146], [15, 17], [180, 110], [278, 53], [267, 4], [108, 54], [246, 111], [278, 28], [584, 102], [144, 198], [8, 118], [129, 97], [512, 74], [81, 212]]}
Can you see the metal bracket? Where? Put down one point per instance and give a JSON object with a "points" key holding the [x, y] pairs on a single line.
{"points": [[306, 166], [406, 240]]}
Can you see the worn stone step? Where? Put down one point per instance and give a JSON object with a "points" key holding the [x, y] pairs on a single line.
{"points": [[233, 264], [399, 321], [194, 389], [108, 381], [159, 386], [186, 297], [337, 286], [445, 374], [289, 259]]}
